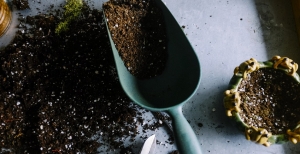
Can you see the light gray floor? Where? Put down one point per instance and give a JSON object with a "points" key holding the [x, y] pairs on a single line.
{"points": [[223, 34]]}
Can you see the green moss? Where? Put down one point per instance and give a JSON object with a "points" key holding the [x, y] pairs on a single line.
{"points": [[72, 11]]}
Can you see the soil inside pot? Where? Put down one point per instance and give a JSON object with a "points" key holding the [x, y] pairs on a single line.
{"points": [[138, 31], [270, 99], [58, 91]]}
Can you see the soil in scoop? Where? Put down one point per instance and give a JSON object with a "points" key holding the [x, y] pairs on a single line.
{"points": [[57, 92], [138, 31], [271, 100]]}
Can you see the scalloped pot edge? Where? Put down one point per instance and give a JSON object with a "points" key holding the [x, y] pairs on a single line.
{"points": [[232, 100]]}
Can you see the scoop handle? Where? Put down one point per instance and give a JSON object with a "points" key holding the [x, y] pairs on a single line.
{"points": [[185, 137]]}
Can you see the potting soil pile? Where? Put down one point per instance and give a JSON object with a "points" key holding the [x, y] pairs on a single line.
{"points": [[58, 91]]}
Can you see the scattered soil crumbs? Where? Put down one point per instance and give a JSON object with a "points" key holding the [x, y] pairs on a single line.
{"points": [[271, 100], [138, 30], [57, 92], [21, 4], [174, 152]]}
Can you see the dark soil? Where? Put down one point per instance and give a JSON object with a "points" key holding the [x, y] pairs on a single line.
{"points": [[138, 31], [175, 152], [21, 4], [271, 100], [59, 91]]}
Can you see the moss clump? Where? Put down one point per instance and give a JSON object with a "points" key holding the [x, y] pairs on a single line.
{"points": [[72, 11]]}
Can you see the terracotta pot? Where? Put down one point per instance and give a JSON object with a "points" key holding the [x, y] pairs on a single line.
{"points": [[5, 17], [232, 100]]}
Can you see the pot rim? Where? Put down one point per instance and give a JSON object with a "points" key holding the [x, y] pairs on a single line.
{"points": [[234, 83]]}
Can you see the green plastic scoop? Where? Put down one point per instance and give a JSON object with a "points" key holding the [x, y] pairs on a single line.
{"points": [[170, 90]]}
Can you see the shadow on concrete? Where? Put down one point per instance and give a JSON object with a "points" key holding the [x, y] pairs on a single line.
{"points": [[279, 31], [278, 28]]}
